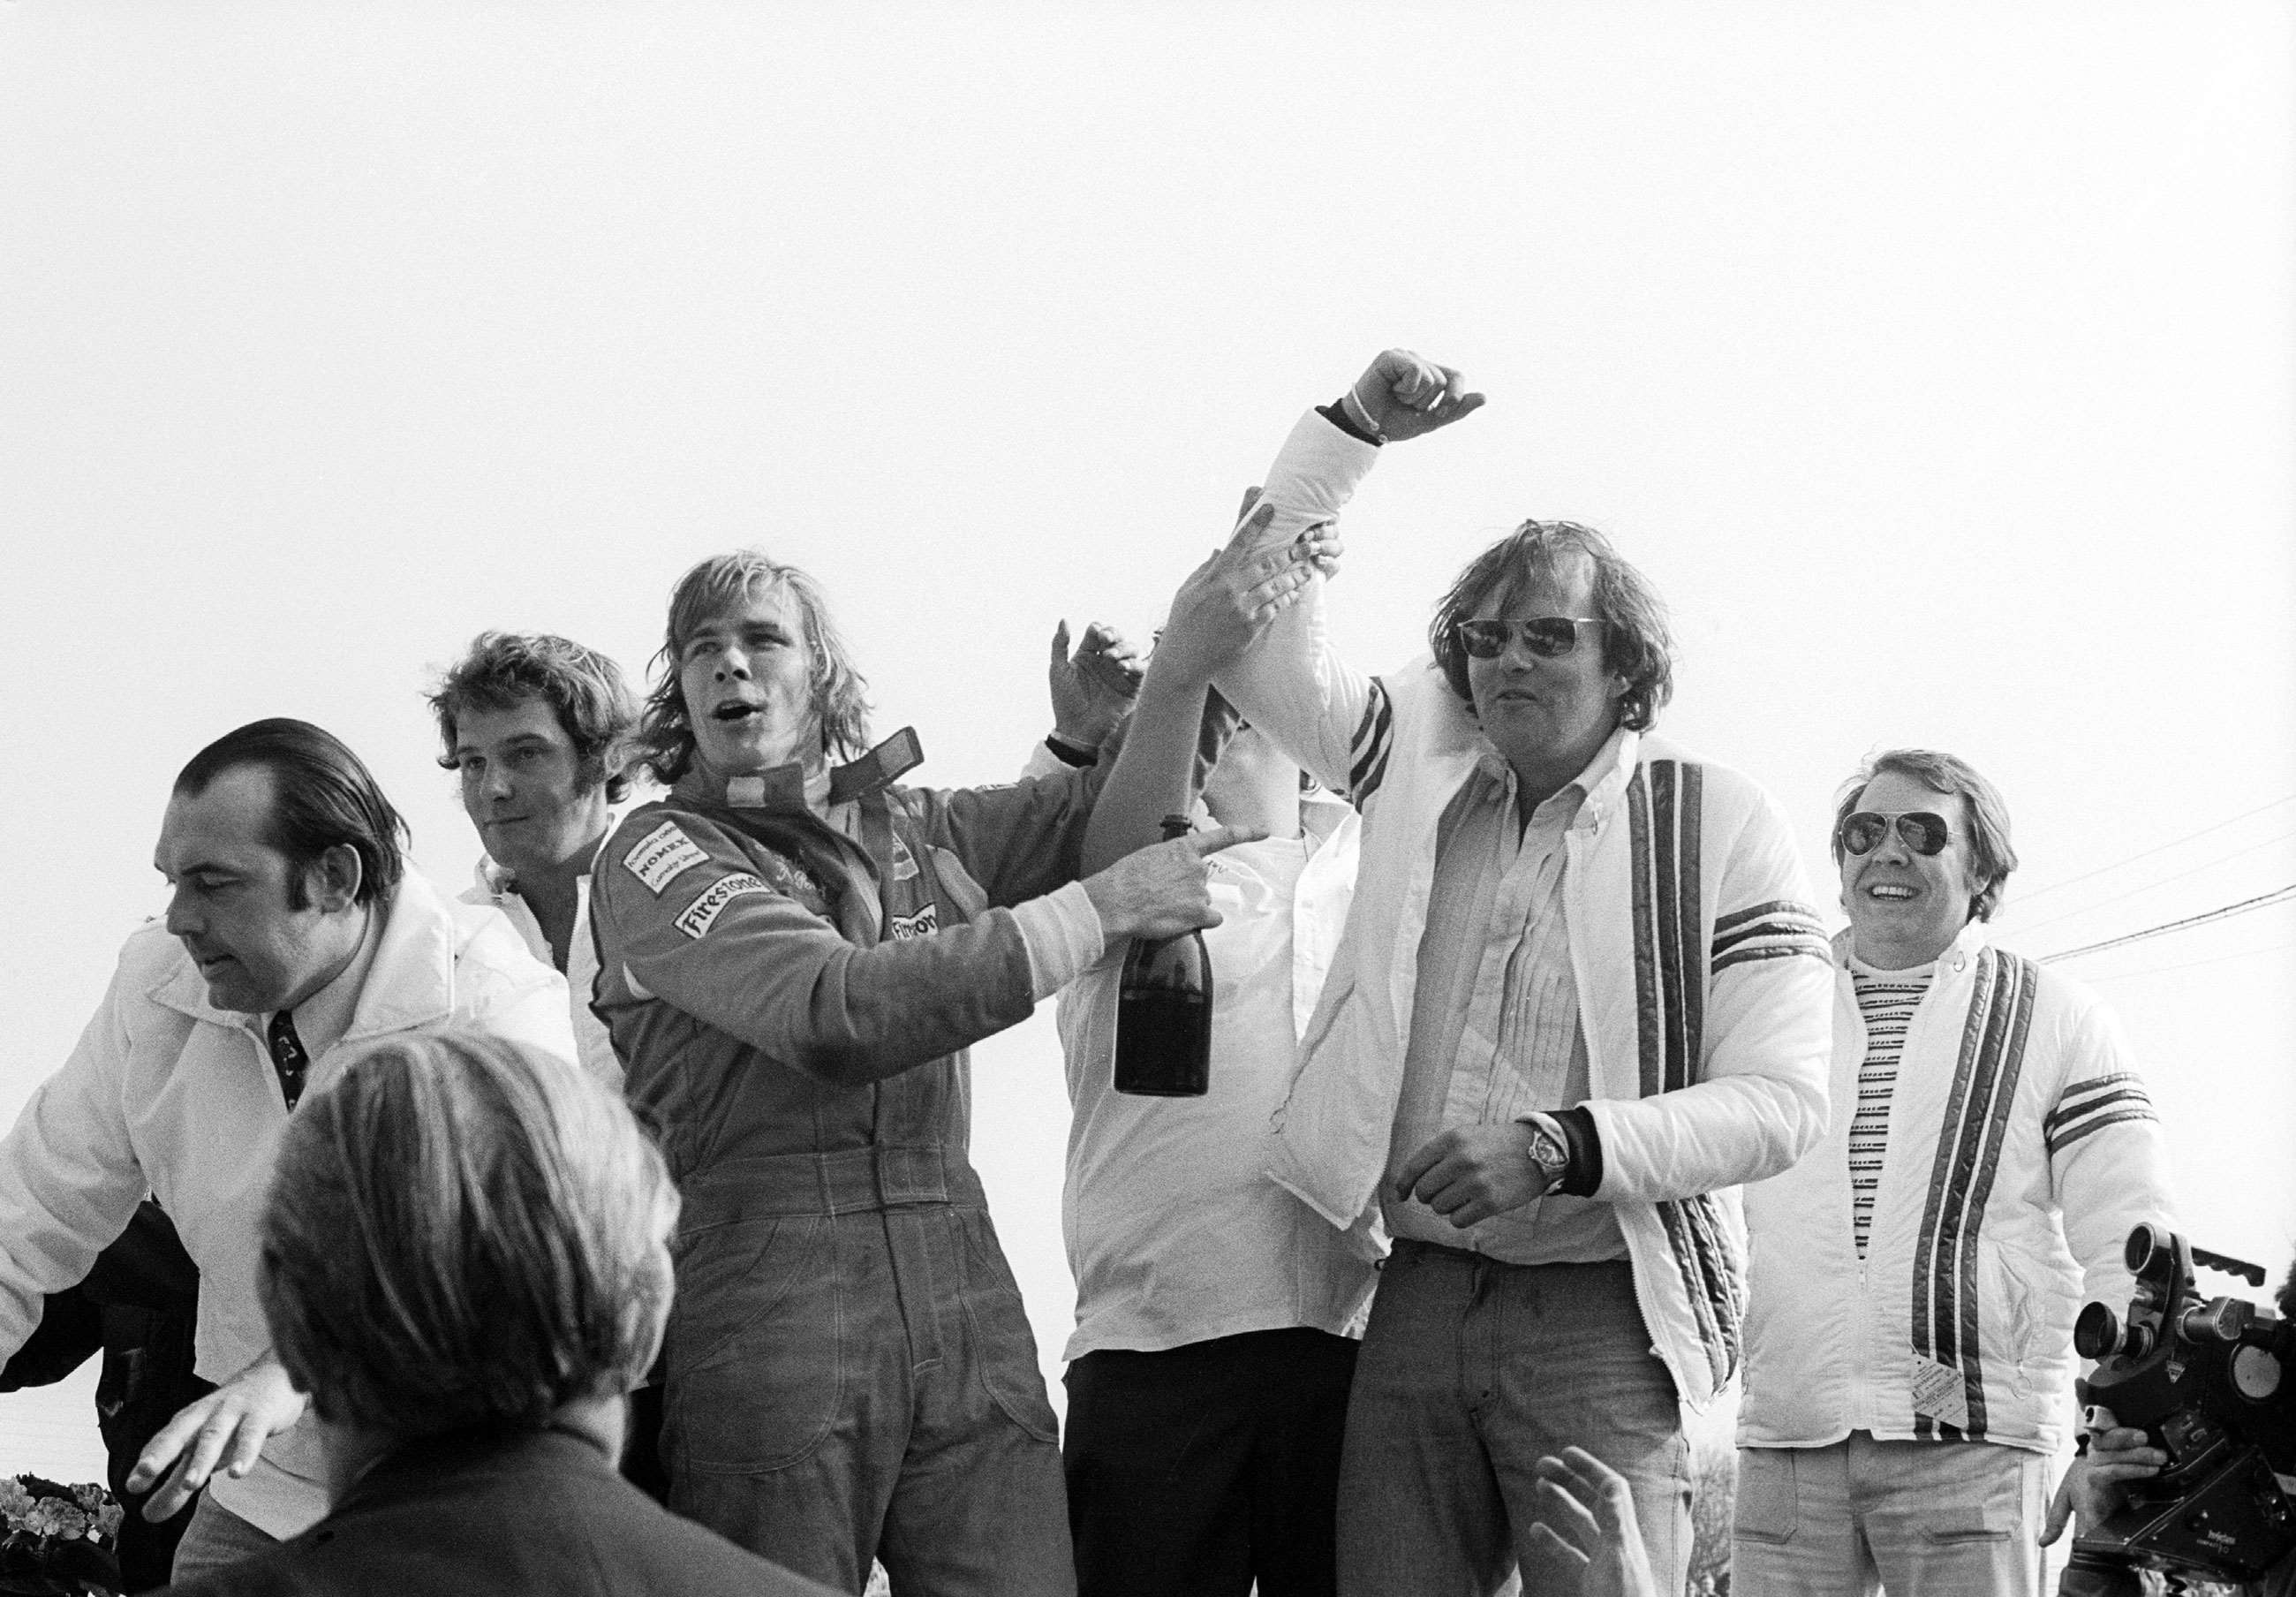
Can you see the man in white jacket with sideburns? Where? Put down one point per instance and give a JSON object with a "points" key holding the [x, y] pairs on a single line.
{"points": [[1581, 994]]}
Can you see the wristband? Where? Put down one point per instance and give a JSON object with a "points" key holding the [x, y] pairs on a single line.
{"points": [[1341, 415], [1069, 753]]}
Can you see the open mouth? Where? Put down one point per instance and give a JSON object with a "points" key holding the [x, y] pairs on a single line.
{"points": [[727, 714], [1889, 890]]}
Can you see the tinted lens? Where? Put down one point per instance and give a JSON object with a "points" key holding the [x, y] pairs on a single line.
{"points": [[1924, 834], [1550, 636], [1860, 832], [1484, 639]]}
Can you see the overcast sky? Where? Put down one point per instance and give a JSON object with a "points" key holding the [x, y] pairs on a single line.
{"points": [[1934, 360]]}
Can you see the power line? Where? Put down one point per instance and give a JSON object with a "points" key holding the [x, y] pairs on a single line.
{"points": [[2223, 912], [2158, 882], [2161, 849], [2150, 970]]}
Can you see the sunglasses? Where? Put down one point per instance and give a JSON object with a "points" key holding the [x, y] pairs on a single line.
{"points": [[1924, 832], [1548, 637]]}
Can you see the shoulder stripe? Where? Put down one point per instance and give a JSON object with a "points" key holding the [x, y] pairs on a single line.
{"points": [[1780, 921], [1373, 740], [2060, 1140], [1795, 949], [1780, 929], [2129, 1094], [1776, 909]]}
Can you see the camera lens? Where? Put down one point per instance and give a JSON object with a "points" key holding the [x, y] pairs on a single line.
{"points": [[2096, 1334]]}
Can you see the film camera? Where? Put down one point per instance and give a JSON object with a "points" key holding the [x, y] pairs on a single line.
{"points": [[2209, 1381]]}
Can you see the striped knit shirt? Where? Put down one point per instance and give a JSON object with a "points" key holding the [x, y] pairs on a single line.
{"points": [[1886, 1000]]}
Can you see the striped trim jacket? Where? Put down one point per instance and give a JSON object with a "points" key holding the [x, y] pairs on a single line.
{"points": [[1700, 968], [2022, 1149]]}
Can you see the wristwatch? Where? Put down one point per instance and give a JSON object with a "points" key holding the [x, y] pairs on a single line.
{"points": [[1548, 1150]]}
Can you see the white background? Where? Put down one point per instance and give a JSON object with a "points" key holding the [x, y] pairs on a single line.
{"points": [[1933, 359]]}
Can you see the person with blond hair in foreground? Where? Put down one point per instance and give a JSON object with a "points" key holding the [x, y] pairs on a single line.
{"points": [[464, 1262]]}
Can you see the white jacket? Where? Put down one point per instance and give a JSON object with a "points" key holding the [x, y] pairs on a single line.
{"points": [[2022, 1148], [167, 1093], [1701, 974]]}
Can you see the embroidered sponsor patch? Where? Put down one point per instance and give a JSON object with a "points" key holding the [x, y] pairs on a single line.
{"points": [[702, 913], [1940, 1392], [922, 923], [661, 854]]}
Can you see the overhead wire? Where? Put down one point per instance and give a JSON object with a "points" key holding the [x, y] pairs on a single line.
{"points": [[2222, 912], [2150, 970], [2160, 849], [2148, 886]]}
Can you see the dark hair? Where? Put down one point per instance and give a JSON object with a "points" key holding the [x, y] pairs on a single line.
{"points": [[710, 589], [584, 689], [1990, 851], [321, 797], [1636, 643], [464, 1230]]}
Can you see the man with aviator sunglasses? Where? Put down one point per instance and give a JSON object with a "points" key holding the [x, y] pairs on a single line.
{"points": [[1580, 996], [1916, 1277]]}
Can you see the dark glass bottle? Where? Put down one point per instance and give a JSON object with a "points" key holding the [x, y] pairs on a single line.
{"points": [[1164, 1012]]}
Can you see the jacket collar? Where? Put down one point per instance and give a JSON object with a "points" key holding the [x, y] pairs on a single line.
{"points": [[1456, 735], [794, 786], [1970, 942], [410, 984]]}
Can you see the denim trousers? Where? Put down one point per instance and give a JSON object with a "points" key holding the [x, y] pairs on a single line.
{"points": [[1924, 1518], [1203, 1469], [1471, 1372], [860, 1382]]}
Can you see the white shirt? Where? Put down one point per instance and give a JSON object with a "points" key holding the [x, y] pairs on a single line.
{"points": [[593, 1045], [1497, 1035], [1174, 1234]]}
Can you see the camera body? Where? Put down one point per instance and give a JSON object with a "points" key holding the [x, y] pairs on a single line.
{"points": [[2209, 1382]]}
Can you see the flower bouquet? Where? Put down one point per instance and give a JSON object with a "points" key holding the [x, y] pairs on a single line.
{"points": [[59, 1541]]}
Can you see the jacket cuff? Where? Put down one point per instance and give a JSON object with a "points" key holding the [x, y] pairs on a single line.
{"points": [[1064, 935], [1584, 1175]]}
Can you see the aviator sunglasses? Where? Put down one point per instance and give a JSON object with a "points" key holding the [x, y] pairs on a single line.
{"points": [[1924, 832], [1548, 637]]}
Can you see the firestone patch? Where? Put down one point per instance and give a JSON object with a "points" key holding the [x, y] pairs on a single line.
{"points": [[702, 913]]}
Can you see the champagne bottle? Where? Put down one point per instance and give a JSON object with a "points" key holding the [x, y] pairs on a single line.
{"points": [[1164, 1011]]}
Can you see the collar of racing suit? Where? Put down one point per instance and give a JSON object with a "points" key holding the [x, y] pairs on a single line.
{"points": [[791, 787]]}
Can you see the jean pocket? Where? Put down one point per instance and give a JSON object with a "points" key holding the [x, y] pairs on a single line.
{"points": [[755, 1373], [1765, 1509], [1971, 1507], [1003, 1347]]}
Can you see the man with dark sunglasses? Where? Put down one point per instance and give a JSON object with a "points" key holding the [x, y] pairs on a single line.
{"points": [[1917, 1276], [1580, 996]]}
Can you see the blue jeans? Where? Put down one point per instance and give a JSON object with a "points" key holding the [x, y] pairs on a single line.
{"points": [[862, 1382], [1471, 1372], [1923, 1518]]}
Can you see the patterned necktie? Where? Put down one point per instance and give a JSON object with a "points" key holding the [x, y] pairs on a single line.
{"points": [[287, 1056]]}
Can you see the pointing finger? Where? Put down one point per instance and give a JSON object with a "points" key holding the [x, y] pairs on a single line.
{"points": [[1219, 837]]}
